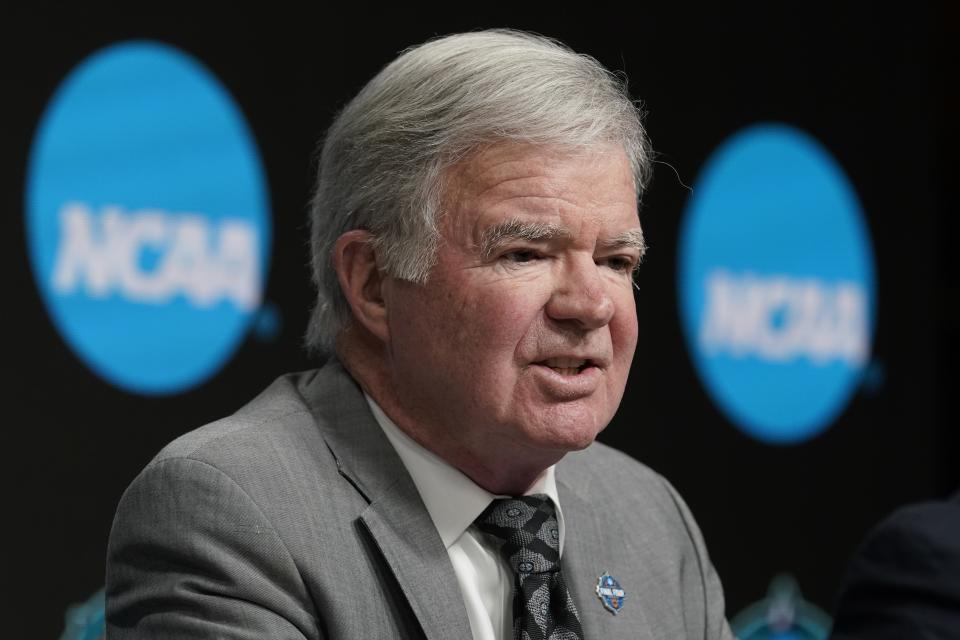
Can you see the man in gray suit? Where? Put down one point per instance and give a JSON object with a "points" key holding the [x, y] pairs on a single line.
{"points": [[474, 234]]}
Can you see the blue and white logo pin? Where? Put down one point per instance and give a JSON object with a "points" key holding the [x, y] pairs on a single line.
{"points": [[147, 218], [776, 279], [610, 592]]}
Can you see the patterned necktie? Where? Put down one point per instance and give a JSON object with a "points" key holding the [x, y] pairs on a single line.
{"points": [[527, 530]]}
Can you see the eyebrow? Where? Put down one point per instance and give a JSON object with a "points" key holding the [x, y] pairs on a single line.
{"points": [[632, 239], [516, 229], [511, 230]]}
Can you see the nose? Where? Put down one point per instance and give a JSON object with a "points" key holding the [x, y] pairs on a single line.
{"points": [[581, 296]]}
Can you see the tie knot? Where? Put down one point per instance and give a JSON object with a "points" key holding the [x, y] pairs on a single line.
{"points": [[527, 531]]}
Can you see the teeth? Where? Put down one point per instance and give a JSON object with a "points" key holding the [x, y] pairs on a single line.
{"points": [[565, 366]]}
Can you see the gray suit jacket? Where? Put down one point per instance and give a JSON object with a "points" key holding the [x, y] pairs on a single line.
{"points": [[295, 518]]}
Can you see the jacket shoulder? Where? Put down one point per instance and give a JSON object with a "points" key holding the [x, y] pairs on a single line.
{"points": [[904, 581], [274, 448], [276, 411]]}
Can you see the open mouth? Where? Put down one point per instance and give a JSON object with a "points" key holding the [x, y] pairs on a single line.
{"points": [[567, 366]]}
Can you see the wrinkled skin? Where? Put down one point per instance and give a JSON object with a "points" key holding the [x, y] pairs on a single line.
{"points": [[517, 352]]}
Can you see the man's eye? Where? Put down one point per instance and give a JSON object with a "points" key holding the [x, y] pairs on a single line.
{"points": [[521, 255], [622, 264]]}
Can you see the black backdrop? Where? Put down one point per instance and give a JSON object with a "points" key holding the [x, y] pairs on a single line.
{"points": [[873, 85]]}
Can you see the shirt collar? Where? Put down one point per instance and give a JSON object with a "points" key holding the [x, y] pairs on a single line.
{"points": [[452, 499]]}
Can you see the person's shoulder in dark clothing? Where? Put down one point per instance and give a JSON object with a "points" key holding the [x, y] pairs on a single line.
{"points": [[904, 581]]}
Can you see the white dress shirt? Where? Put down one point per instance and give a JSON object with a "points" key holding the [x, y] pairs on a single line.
{"points": [[454, 501]]}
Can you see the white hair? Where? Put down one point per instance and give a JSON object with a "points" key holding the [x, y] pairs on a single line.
{"points": [[383, 159]]}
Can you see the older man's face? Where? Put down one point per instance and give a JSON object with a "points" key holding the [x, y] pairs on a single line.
{"points": [[521, 341]]}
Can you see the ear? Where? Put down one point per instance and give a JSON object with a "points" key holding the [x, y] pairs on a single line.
{"points": [[360, 280]]}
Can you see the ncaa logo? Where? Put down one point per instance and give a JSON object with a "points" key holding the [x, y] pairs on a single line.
{"points": [[776, 283], [148, 219]]}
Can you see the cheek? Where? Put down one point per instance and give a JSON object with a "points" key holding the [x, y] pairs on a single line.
{"points": [[627, 330], [467, 331], [501, 316], [623, 329]]}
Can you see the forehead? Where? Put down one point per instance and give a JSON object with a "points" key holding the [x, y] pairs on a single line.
{"points": [[551, 184]]}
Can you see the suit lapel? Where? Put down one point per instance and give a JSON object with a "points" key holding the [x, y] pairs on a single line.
{"points": [[591, 548], [396, 518], [412, 548]]}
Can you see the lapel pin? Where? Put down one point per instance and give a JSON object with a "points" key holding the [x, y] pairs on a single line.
{"points": [[610, 592]]}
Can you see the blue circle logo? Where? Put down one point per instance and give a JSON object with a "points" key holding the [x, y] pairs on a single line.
{"points": [[776, 283], [147, 218]]}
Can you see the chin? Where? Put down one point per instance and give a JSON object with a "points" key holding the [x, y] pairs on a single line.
{"points": [[567, 436]]}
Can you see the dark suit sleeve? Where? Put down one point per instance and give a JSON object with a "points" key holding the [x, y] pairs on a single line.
{"points": [[904, 582], [192, 556]]}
